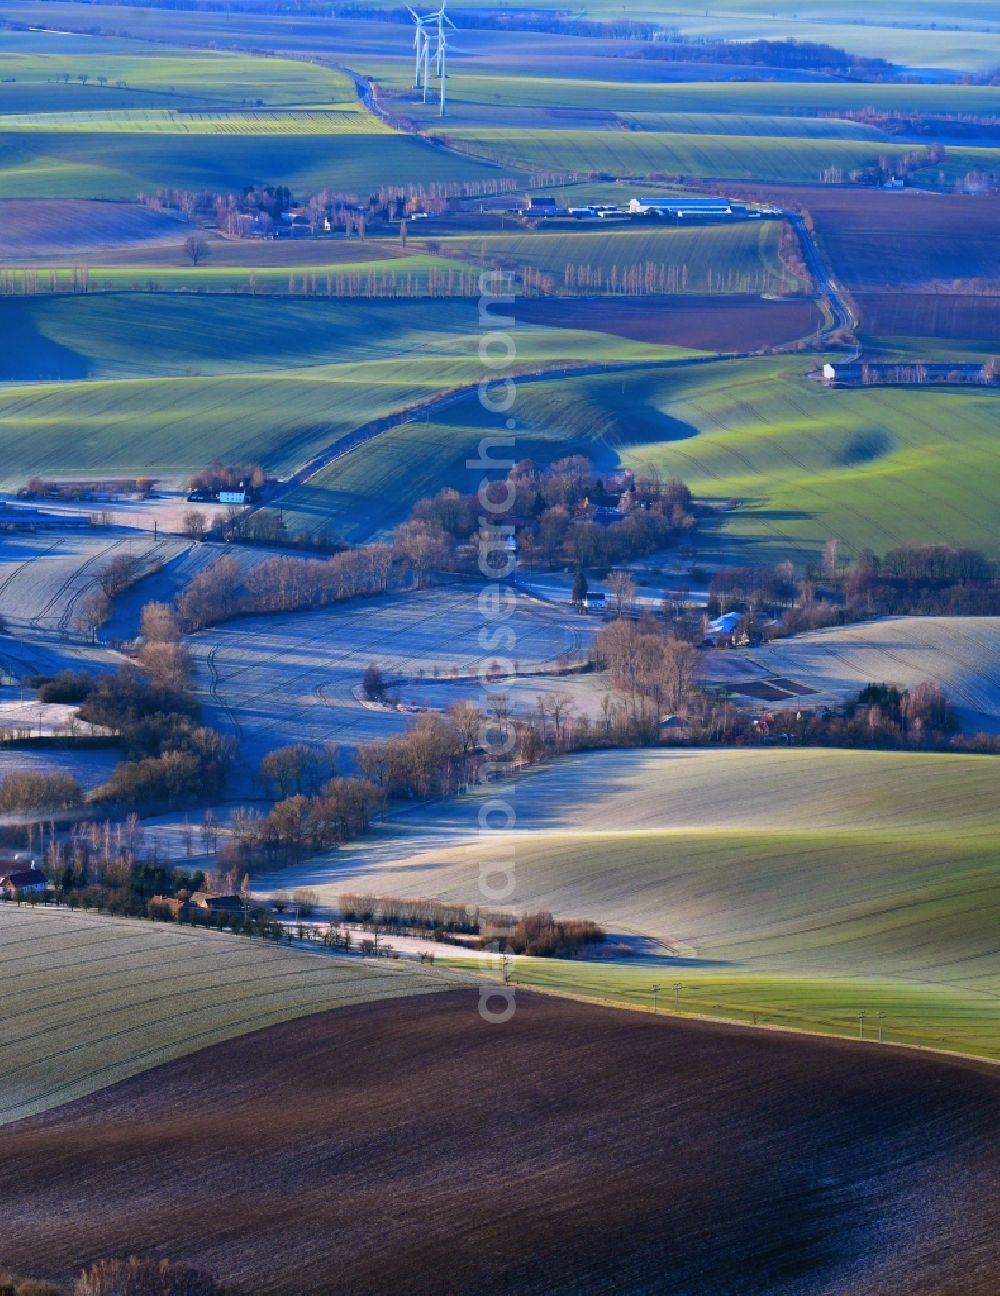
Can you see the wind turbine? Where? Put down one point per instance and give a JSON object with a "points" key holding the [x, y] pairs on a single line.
{"points": [[421, 44], [441, 53]]}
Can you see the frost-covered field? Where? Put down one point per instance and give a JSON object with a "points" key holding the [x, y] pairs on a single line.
{"points": [[583, 693], [90, 766], [44, 577], [806, 877], [276, 680], [42, 719], [92, 999], [960, 654]]}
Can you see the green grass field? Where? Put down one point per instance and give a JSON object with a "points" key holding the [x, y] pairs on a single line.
{"points": [[236, 378], [195, 120], [877, 467], [143, 77], [99, 999], [793, 100], [702, 259], [800, 885], [121, 164], [722, 157]]}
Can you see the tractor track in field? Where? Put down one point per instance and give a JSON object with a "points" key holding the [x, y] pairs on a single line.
{"points": [[149, 557], [77, 572], [217, 697], [8, 580]]}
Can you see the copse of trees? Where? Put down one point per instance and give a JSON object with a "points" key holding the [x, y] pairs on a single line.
{"points": [[536, 934], [553, 513], [285, 584], [170, 757], [297, 769], [542, 936], [299, 823], [654, 671], [219, 476], [28, 792]]}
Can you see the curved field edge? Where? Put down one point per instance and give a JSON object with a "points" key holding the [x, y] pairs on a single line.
{"points": [[743, 1161], [732, 872], [94, 1000]]}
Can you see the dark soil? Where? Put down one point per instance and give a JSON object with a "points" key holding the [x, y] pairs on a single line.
{"points": [[745, 323], [931, 315], [876, 239], [411, 1148]]}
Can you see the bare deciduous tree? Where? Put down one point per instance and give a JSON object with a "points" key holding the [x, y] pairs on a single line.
{"points": [[622, 588], [196, 248]]}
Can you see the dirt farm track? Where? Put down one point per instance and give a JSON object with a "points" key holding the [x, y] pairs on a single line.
{"points": [[412, 1147]]}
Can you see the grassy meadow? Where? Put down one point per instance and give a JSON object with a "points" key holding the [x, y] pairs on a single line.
{"points": [[306, 373], [106, 125], [799, 885], [100, 999], [878, 467], [781, 158]]}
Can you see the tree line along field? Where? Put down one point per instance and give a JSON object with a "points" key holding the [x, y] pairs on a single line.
{"points": [[737, 258], [635, 259], [690, 1169], [99, 999], [801, 885], [347, 270]]}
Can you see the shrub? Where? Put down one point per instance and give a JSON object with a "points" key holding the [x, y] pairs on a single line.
{"points": [[135, 1277], [68, 686]]}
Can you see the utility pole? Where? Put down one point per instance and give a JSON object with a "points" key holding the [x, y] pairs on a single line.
{"points": [[861, 1024], [676, 987], [881, 1024], [654, 991]]}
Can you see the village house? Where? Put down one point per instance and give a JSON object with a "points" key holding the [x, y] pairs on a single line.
{"points": [[30, 881], [219, 904]]}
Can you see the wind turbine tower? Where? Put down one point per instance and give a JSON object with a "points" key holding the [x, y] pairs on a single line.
{"points": [[422, 47], [441, 53]]}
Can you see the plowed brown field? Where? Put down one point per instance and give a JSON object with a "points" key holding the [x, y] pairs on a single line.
{"points": [[877, 240], [703, 323], [413, 1148], [940, 315]]}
